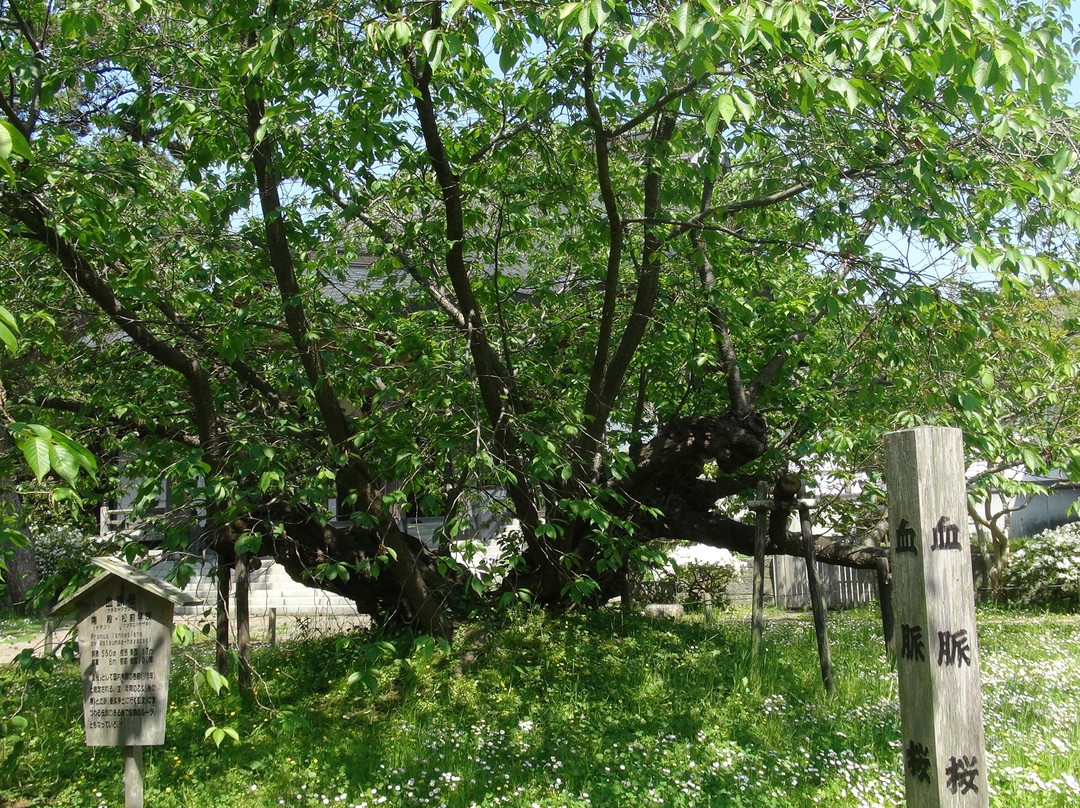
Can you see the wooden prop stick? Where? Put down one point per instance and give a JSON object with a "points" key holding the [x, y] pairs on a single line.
{"points": [[817, 599], [888, 617], [757, 620]]}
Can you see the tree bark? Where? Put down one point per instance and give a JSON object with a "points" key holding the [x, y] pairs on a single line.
{"points": [[22, 569]]}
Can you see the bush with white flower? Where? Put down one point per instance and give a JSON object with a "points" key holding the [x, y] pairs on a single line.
{"points": [[693, 572], [1044, 570], [60, 549], [63, 552]]}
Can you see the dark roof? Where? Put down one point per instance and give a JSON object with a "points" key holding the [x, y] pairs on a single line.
{"points": [[117, 568]]}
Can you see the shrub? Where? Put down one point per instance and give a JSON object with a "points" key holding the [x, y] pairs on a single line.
{"points": [[699, 580], [691, 575], [63, 552], [1044, 570]]}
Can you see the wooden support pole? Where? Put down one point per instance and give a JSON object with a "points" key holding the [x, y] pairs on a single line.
{"points": [[243, 619], [817, 600], [224, 584], [133, 777], [273, 626], [50, 638], [942, 736], [885, 598], [761, 532]]}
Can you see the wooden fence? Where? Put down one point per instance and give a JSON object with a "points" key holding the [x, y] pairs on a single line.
{"points": [[844, 587]]}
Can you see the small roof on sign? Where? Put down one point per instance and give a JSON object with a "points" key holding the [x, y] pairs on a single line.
{"points": [[115, 567]]}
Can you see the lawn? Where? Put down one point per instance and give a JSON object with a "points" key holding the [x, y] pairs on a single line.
{"points": [[534, 709]]}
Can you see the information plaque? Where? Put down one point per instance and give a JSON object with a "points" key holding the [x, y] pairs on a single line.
{"points": [[124, 622]]}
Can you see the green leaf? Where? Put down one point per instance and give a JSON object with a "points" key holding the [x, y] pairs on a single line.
{"points": [[366, 678], [453, 9], [434, 47], [841, 85], [214, 680], [508, 57], [725, 108], [681, 19], [7, 336], [981, 70], [13, 142], [36, 451], [402, 32], [568, 10], [1031, 459], [183, 635], [746, 103], [969, 402], [63, 462], [248, 543], [9, 535], [485, 8]]}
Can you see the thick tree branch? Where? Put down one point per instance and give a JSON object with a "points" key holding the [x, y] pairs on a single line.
{"points": [[681, 448], [494, 382], [648, 280], [32, 214], [139, 426], [279, 254], [242, 369], [775, 364], [26, 127], [860, 552], [601, 143], [654, 108], [725, 345]]}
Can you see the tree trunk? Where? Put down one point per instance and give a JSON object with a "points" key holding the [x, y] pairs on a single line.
{"points": [[21, 576], [22, 569], [667, 479]]}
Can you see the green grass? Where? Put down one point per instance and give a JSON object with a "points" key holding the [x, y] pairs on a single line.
{"points": [[561, 710], [18, 628]]}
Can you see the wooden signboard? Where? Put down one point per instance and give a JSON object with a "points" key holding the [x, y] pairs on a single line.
{"points": [[125, 644], [124, 620], [944, 748]]}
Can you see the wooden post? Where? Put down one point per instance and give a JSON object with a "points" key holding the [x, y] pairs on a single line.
{"points": [[224, 584], [707, 600], [624, 590], [817, 599], [133, 777], [885, 600], [273, 626], [243, 619], [761, 531], [50, 640], [944, 747]]}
